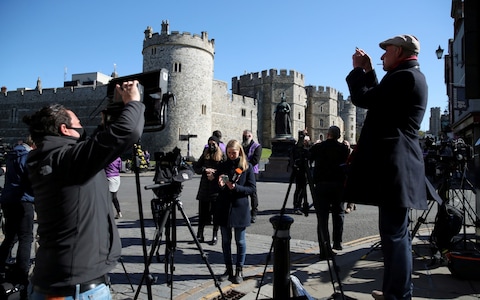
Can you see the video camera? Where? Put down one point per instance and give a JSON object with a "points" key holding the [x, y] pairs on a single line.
{"points": [[153, 93], [171, 169], [447, 159], [455, 150]]}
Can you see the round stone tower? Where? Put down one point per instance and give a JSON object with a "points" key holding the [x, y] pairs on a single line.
{"points": [[189, 61]]}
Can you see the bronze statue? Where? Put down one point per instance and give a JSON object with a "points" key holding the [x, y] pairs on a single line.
{"points": [[283, 124]]}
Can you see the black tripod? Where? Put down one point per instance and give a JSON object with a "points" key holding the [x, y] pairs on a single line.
{"points": [[169, 169], [302, 166], [454, 192]]}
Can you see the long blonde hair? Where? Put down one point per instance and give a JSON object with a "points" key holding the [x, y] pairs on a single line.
{"points": [[236, 145]]}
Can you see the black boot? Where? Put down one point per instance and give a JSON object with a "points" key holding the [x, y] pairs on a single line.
{"points": [[228, 275], [238, 278], [200, 237], [215, 235]]}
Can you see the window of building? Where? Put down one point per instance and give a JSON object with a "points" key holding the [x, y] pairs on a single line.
{"points": [[14, 115], [321, 122], [204, 109], [177, 67], [299, 116], [244, 112]]}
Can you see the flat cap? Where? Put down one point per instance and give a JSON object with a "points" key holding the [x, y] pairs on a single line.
{"points": [[406, 41]]}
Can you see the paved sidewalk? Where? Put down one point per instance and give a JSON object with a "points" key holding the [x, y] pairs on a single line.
{"points": [[359, 265], [359, 268]]}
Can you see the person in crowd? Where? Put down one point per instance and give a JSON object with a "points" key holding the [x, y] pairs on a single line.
{"points": [[329, 178], [113, 176], [208, 189], [218, 134], [300, 163], [78, 240], [385, 170], [253, 151], [147, 157], [237, 181], [350, 206], [18, 210]]}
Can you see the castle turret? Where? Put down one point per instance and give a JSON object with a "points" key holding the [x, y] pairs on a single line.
{"points": [[189, 60]]}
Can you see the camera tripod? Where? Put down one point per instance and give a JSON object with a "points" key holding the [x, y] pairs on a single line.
{"points": [[164, 212], [455, 190], [303, 166]]}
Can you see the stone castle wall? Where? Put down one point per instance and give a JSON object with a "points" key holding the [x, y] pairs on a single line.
{"points": [[86, 102]]}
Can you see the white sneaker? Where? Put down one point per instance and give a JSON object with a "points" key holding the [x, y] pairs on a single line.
{"points": [[378, 295], [119, 215]]}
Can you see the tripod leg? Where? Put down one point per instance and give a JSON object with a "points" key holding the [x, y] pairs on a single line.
{"points": [[375, 246], [126, 274], [199, 247], [164, 215], [421, 220]]}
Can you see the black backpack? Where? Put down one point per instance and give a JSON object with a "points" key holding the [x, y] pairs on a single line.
{"points": [[448, 222]]}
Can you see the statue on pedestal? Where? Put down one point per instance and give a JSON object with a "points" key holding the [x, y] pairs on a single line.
{"points": [[283, 125]]}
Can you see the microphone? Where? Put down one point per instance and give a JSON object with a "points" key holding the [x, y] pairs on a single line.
{"points": [[236, 176]]}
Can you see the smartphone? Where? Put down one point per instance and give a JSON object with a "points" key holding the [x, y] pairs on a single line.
{"points": [[225, 178]]}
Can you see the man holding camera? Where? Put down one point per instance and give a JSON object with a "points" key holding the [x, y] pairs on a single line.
{"points": [[329, 178], [78, 238], [387, 169]]}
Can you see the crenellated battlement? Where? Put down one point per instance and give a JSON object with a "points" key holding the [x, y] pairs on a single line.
{"points": [[269, 76], [177, 38], [322, 91], [71, 93]]}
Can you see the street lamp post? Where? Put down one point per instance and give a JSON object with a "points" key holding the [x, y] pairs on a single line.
{"points": [[439, 52]]}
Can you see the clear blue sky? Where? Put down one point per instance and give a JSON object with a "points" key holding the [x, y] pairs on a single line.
{"points": [[314, 37]]}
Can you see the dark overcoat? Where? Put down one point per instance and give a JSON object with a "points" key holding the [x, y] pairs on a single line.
{"points": [[233, 207], [207, 189], [387, 168]]}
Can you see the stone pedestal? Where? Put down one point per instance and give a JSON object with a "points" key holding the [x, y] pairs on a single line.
{"points": [[277, 169]]}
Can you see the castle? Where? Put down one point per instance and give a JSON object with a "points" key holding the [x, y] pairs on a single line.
{"points": [[202, 104]]}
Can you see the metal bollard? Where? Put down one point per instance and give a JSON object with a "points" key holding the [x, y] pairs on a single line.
{"points": [[281, 255]]}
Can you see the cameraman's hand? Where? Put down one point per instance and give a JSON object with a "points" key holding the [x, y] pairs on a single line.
{"points": [[361, 59], [129, 91]]}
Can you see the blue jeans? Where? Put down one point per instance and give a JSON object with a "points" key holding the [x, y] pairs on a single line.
{"points": [[239, 241], [397, 253], [101, 292]]}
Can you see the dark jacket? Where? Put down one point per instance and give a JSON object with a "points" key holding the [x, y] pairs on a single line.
{"points": [[79, 240], [17, 185], [232, 206], [387, 169], [330, 157], [208, 189]]}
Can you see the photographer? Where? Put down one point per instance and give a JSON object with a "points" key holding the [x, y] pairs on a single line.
{"points": [[79, 242], [388, 169], [329, 177], [299, 160]]}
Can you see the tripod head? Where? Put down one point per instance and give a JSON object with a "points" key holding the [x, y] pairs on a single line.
{"points": [[171, 169]]}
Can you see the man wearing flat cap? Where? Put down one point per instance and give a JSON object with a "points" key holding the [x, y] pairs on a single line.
{"points": [[387, 170]]}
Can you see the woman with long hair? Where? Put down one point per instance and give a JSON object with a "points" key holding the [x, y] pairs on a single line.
{"points": [[237, 181], [208, 189]]}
